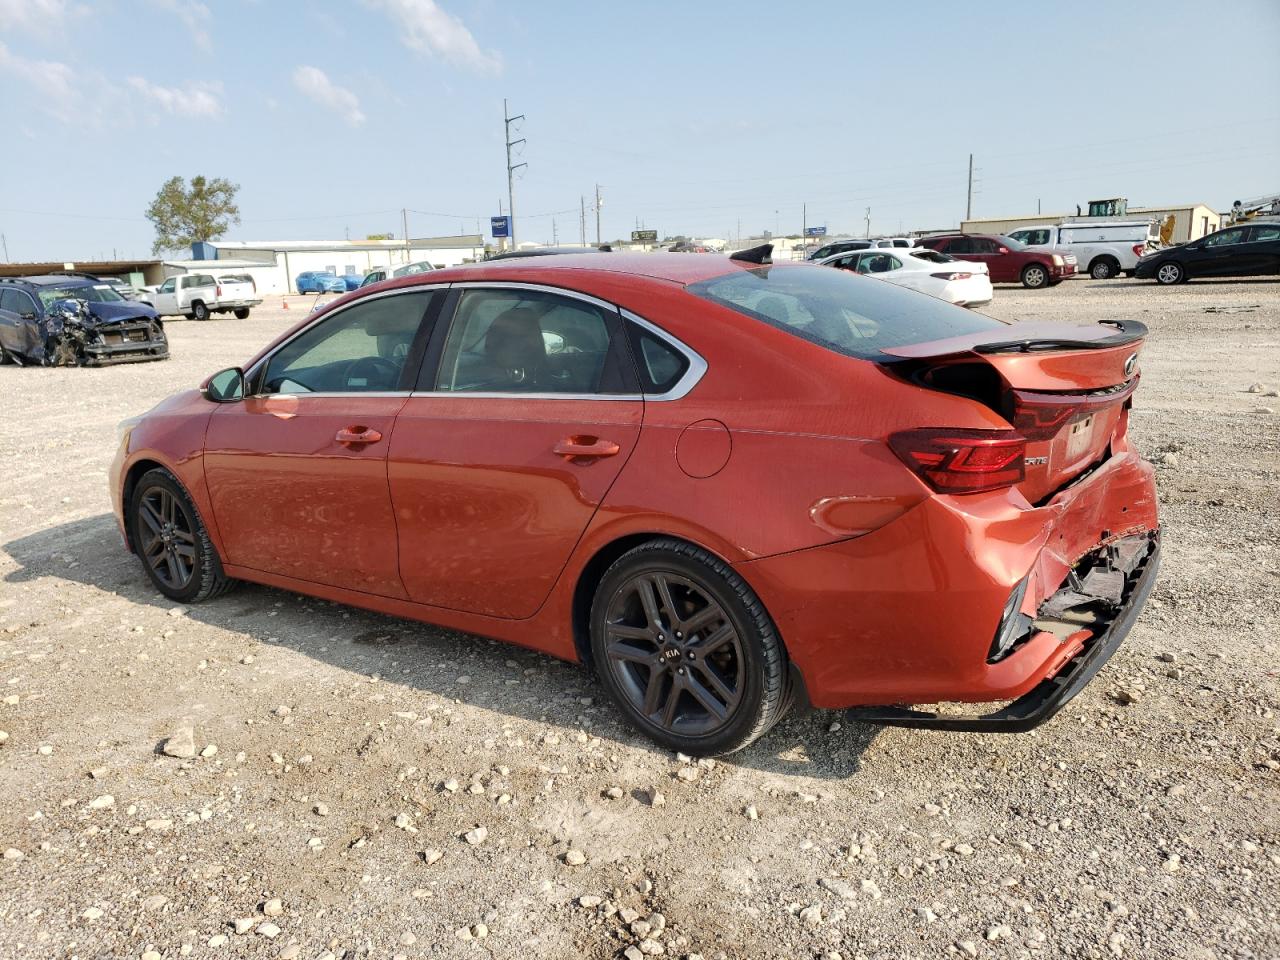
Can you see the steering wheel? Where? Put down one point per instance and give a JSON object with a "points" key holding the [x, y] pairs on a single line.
{"points": [[378, 372]]}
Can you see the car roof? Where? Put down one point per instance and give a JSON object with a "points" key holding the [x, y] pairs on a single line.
{"points": [[57, 280], [675, 267]]}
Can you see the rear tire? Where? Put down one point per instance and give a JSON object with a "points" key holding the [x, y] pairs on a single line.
{"points": [[172, 542], [242, 313], [1104, 268], [687, 650], [1171, 273], [1035, 276], [199, 311]]}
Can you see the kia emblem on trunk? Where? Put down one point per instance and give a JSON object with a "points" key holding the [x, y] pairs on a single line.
{"points": [[1130, 364]]}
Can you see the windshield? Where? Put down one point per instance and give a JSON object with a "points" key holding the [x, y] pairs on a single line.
{"points": [[856, 316], [96, 293]]}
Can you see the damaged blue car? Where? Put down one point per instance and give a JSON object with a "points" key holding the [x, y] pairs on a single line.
{"points": [[54, 321]]}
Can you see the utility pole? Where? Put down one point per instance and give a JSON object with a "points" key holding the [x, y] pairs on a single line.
{"points": [[404, 220], [507, 120], [599, 204], [804, 224], [968, 205], [582, 219], [868, 219], [5, 243], [555, 237]]}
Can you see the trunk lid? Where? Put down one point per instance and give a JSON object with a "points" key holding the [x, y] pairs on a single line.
{"points": [[1063, 387]]}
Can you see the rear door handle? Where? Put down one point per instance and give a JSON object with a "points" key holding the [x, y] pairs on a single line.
{"points": [[358, 435], [571, 447]]}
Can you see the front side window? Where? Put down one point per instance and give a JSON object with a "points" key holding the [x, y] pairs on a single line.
{"points": [[1225, 238], [529, 341], [362, 349], [168, 285], [839, 311]]}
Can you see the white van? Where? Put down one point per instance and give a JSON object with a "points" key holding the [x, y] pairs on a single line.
{"points": [[1103, 248]]}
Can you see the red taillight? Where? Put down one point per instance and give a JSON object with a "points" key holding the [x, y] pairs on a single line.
{"points": [[963, 461], [1139, 249], [218, 290], [951, 276]]}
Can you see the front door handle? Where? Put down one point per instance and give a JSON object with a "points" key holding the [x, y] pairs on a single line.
{"points": [[358, 435], [571, 447]]}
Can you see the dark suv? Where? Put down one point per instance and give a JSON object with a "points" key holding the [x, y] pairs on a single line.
{"points": [[75, 321]]}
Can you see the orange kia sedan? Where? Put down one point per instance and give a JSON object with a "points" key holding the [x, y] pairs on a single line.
{"points": [[726, 485]]}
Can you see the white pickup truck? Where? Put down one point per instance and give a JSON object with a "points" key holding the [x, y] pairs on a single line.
{"points": [[197, 296], [1103, 248]]}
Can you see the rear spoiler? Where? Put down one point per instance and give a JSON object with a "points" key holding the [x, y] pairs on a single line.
{"points": [[1129, 331], [1035, 337]]}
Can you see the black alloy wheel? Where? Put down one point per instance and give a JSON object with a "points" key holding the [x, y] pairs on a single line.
{"points": [[199, 311], [687, 650], [168, 543], [675, 653], [170, 539]]}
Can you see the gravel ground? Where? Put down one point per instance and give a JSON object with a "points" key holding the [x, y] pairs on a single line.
{"points": [[363, 786]]}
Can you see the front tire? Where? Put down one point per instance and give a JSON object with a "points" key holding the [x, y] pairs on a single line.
{"points": [[199, 311], [242, 313], [1034, 276], [687, 650], [172, 542], [1171, 273]]}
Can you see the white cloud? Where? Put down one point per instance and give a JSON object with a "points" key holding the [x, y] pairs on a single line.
{"points": [[193, 100], [195, 16], [42, 16], [314, 83], [56, 82], [427, 28]]}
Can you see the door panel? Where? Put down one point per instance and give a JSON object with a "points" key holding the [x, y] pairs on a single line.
{"points": [[289, 498], [488, 512]]}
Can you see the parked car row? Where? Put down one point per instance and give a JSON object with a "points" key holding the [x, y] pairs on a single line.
{"points": [[964, 283]]}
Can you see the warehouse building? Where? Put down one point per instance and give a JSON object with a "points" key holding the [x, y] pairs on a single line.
{"points": [[275, 265], [1191, 221]]}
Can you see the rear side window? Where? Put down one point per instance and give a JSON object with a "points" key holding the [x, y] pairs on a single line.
{"points": [[840, 311], [660, 364], [528, 341]]}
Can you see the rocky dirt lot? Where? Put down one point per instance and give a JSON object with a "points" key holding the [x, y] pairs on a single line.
{"points": [[361, 786]]}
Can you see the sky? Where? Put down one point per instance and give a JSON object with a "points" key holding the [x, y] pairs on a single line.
{"points": [[703, 119]]}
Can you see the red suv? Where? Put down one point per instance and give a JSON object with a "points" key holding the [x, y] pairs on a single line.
{"points": [[1008, 260]]}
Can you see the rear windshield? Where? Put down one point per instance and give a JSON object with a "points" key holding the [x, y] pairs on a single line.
{"points": [[836, 309]]}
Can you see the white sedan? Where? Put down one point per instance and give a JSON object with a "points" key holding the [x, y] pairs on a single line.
{"points": [[962, 282]]}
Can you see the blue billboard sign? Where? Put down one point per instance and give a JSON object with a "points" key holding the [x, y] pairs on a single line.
{"points": [[500, 226]]}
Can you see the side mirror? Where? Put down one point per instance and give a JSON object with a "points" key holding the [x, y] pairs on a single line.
{"points": [[1002, 250], [29, 315], [225, 386]]}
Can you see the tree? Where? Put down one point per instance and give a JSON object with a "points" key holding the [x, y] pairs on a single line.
{"points": [[183, 215]]}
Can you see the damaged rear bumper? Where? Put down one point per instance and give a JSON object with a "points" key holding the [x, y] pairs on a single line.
{"points": [[1084, 651]]}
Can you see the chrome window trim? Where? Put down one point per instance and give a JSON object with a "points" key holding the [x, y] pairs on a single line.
{"points": [[252, 372], [697, 365]]}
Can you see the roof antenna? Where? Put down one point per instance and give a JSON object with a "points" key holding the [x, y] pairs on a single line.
{"points": [[762, 254]]}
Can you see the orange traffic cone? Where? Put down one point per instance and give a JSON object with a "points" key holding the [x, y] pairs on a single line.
{"points": [[285, 305]]}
